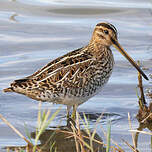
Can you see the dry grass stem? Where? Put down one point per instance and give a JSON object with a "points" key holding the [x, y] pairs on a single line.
{"points": [[140, 85], [146, 118], [143, 132], [131, 147], [74, 134], [115, 143], [15, 130], [132, 134]]}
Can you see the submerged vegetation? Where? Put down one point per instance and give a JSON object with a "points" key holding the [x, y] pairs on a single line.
{"points": [[73, 138]]}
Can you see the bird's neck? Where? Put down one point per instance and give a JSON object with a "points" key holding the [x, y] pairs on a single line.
{"points": [[98, 49]]}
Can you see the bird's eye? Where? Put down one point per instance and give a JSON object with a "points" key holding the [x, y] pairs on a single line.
{"points": [[106, 31]]}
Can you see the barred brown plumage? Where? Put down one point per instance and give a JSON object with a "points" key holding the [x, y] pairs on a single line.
{"points": [[76, 76]]}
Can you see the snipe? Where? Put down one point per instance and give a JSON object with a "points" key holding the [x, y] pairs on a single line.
{"points": [[77, 76]]}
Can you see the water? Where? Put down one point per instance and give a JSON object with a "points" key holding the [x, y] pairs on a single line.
{"points": [[33, 32]]}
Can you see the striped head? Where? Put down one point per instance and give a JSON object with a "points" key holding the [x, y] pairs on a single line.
{"points": [[103, 33]]}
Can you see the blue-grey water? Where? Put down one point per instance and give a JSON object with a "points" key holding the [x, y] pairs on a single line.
{"points": [[33, 32]]}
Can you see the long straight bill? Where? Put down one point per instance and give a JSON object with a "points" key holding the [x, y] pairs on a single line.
{"points": [[125, 54]]}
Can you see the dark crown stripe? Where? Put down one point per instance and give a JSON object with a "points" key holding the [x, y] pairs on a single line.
{"points": [[108, 26]]}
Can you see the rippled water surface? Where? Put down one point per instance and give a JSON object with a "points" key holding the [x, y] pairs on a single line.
{"points": [[33, 32]]}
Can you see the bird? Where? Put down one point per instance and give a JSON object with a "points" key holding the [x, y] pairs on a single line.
{"points": [[77, 76]]}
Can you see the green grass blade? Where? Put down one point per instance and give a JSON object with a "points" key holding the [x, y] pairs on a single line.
{"points": [[108, 136], [27, 133], [44, 124], [52, 146]]}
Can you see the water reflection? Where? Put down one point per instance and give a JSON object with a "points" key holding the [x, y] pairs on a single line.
{"points": [[60, 140], [92, 117]]}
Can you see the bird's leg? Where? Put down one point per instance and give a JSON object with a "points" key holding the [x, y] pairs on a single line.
{"points": [[68, 112], [69, 118], [74, 112]]}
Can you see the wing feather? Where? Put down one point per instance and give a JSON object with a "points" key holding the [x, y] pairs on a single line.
{"points": [[70, 70]]}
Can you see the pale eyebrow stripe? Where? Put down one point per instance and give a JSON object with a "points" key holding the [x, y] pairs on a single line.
{"points": [[107, 25]]}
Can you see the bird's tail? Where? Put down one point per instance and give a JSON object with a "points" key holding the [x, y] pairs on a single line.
{"points": [[10, 89], [15, 86]]}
